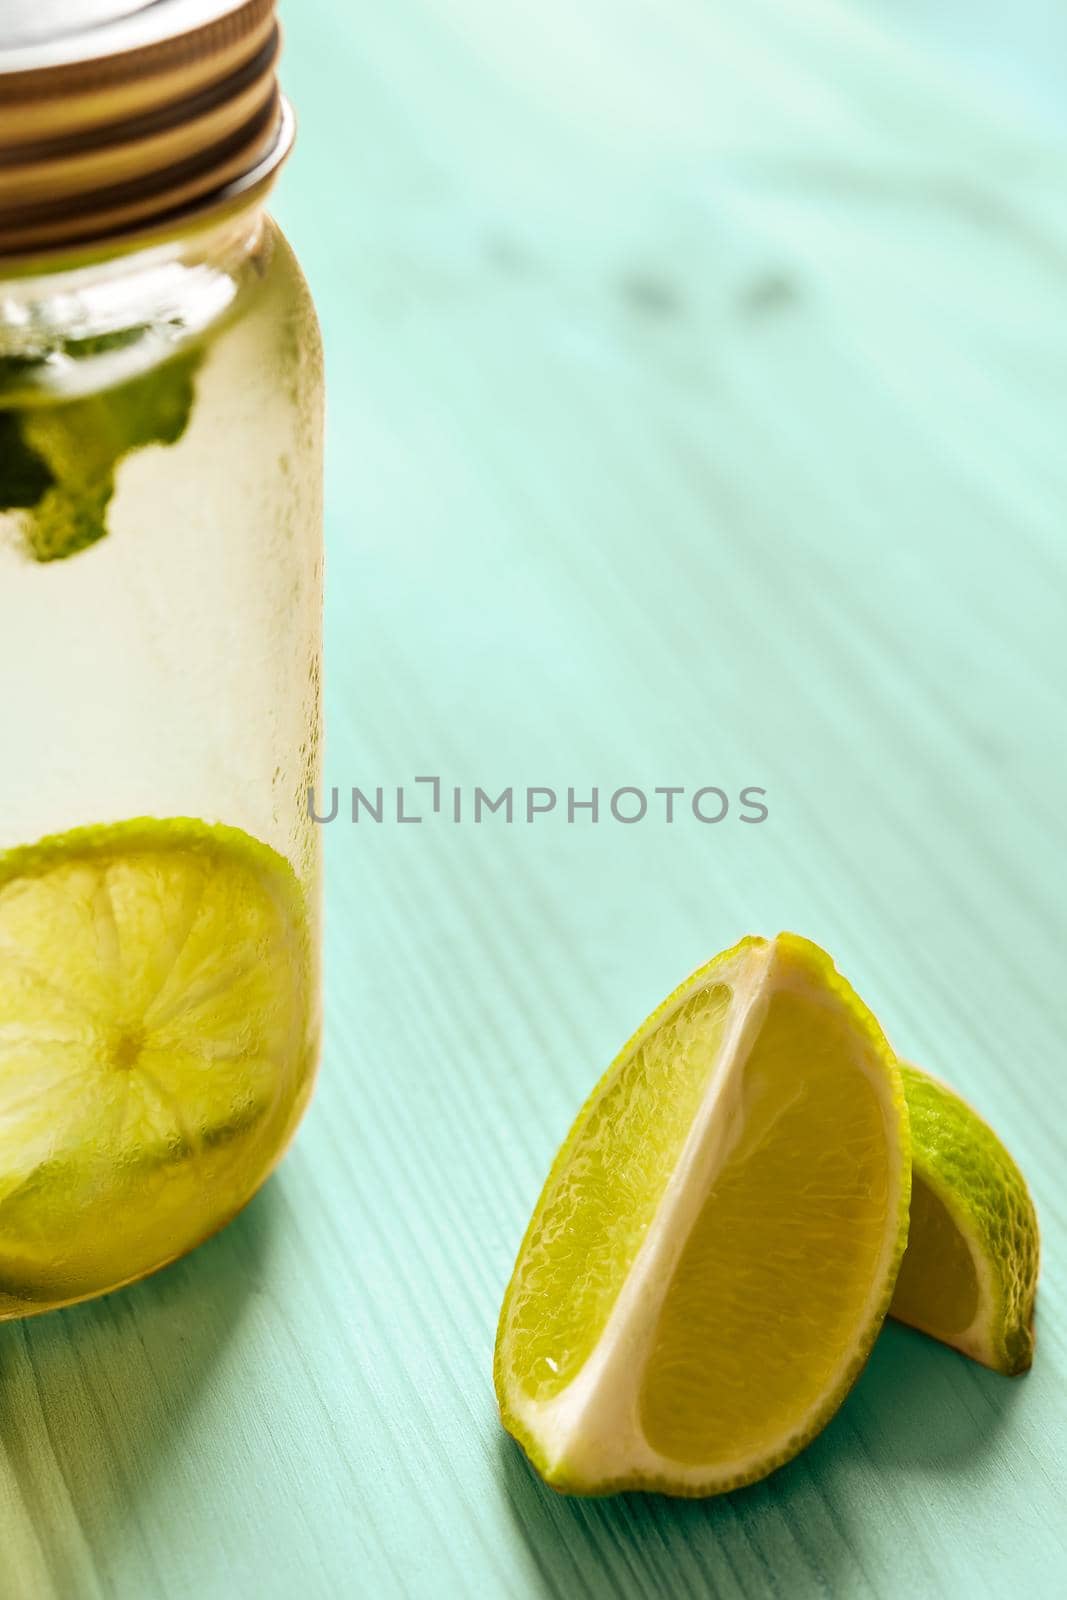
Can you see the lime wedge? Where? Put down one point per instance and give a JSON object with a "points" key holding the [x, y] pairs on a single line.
{"points": [[715, 1247], [157, 1046], [969, 1275]]}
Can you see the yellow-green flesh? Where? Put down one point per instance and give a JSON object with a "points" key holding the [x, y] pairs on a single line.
{"points": [[595, 1214], [783, 1254], [937, 1289]]}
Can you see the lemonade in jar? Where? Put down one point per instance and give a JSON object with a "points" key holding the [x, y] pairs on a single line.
{"points": [[160, 641]]}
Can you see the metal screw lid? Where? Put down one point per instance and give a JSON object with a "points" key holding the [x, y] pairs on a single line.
{"points": [[125, 116]]}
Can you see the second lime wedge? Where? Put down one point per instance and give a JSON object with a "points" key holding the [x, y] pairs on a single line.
{"points": [[969, 1275]]}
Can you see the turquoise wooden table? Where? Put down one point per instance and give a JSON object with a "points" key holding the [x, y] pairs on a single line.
{"points": [[698, 377]]}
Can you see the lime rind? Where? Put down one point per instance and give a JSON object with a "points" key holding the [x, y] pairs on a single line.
{"points": [[153, 833], [957, 1154]]}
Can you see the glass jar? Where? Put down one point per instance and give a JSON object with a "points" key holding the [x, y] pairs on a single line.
{"points": [[160, 649]]}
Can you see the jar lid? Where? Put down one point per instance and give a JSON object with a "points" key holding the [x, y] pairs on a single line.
{"points": [[121, 116]]}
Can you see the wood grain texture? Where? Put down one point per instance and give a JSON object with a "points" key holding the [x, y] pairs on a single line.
{"points": [[697, 380]]}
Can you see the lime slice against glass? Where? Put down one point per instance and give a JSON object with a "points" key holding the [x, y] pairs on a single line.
{"points": [[715, 1247], [157, 1046]]}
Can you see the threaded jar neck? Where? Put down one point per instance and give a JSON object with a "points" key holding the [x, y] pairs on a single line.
{"points": [[126, 118]]}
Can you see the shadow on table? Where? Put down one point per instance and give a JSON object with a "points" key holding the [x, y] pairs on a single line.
{"points": [[917, 1408], [96, 1401], [920, 1407], [635, 1546]]}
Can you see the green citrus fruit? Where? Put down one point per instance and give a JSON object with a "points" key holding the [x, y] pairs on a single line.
{"points": [[715, 1247], [969, 1275], [157, 1046]]}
